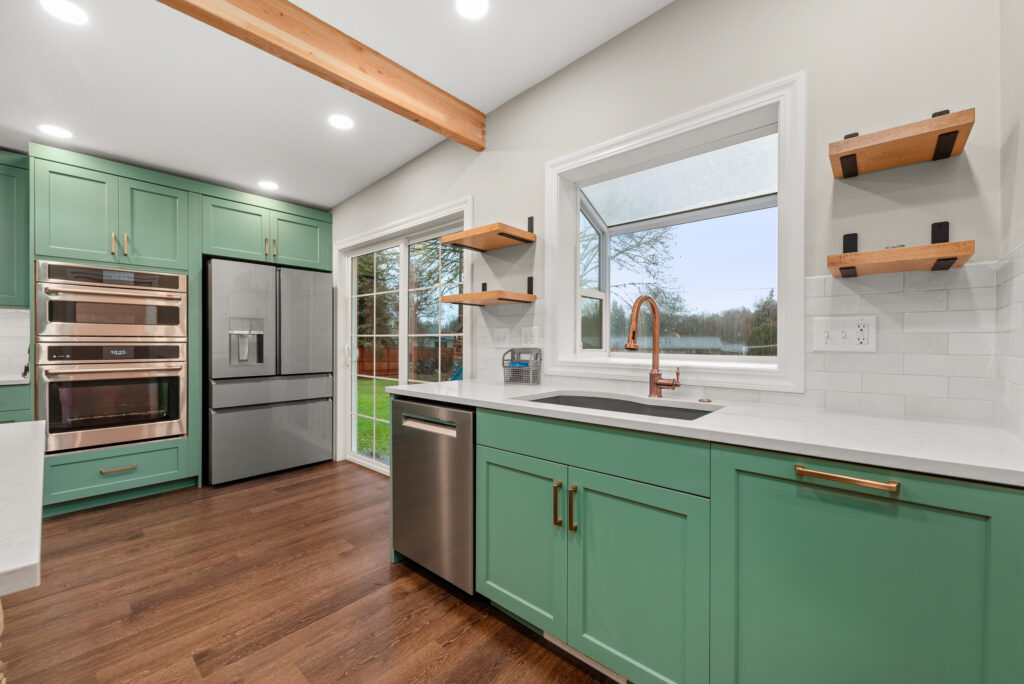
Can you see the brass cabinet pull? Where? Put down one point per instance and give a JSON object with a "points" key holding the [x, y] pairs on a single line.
{"points": [[890, 486], [117, 470], [555, 520], [126, 244], [113, 243], [266, 246], [275, 246], [572, 514]]}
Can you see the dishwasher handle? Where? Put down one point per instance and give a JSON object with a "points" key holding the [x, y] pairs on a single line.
{"points": [[434, 425]]}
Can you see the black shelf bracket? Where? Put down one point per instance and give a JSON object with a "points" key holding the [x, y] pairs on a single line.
{"points": [[850, 135], [848, 271], [529, 285], [849, 165], [944, 264], [943, 112], [483, 287], [944, 145], [849, 243], [529, 224], [514, 237], [940, 232]]}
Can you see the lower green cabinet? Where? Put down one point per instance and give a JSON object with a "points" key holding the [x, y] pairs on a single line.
{"points": [[615, 568], [521, 553], [816, 580]]}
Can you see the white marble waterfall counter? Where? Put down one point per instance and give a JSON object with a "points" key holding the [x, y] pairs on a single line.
{"points": [[21, 504]]}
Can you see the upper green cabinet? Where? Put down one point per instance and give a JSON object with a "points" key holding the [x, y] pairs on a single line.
{"points": [[153, 225], [75, 212], [14, 259], [815, 580], [235, 229], [297, 241], [84, 214], [243, 231]]}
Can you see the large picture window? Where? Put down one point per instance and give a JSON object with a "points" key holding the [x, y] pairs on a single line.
{"points": [[703, 212]]}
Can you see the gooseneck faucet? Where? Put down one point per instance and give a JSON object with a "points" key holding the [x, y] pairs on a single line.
{"points": [[657, 382]]}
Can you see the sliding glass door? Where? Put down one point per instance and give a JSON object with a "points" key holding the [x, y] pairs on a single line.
{"points": [[401, 332]]}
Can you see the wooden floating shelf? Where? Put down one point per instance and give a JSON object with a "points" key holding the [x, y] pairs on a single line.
{"points": [[937, 257], [936, 138], [486, 238], [489, 298]]}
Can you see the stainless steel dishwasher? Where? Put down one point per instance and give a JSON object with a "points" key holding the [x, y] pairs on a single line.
{"points": [[432, 486]]}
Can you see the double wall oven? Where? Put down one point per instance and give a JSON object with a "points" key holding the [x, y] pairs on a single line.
{"points": [[111, 355]]}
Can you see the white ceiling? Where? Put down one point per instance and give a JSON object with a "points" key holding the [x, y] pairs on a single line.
{"points": [[145, 84]]}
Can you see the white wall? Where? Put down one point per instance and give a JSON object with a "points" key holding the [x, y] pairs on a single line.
{"points": [[1012, 86], [870, 65]]}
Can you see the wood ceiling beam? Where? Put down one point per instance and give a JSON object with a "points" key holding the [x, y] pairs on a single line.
{"points": [[296, 36]]}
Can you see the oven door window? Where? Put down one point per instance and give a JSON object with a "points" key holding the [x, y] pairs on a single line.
{"points": [[90, 404], [100, 313]]}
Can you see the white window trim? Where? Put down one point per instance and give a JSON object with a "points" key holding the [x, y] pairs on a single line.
{"points": [[423, 225], [642, 149]]}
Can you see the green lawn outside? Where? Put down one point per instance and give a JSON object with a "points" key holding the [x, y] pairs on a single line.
{"points": [[371, 399]]}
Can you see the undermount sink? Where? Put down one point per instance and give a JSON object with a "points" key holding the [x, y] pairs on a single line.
{"points": [[655, 407]]}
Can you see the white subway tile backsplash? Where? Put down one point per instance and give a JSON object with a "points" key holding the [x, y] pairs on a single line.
{"points": [[927, 300], [950, 321], [837, 362], [883, 282], [863, 402], [972, 343], [949, 365], [815, 287], [971, 275], [843, 382], [907, 385], [972, 298], [973, 388], [971, 410], [831, 306]]}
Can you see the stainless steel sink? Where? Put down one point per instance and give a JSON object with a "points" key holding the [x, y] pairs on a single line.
{"points": [[657, 407]]}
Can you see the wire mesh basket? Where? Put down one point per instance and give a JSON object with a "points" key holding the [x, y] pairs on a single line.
{"points": [[522, 366]]}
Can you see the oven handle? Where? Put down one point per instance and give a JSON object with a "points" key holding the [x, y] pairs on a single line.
{"points": [[51, 373], [56, 291]]}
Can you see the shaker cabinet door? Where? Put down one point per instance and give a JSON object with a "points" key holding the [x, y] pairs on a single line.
{"points": [[14, 260], [75, 212], [234, 229], [153, 225]]}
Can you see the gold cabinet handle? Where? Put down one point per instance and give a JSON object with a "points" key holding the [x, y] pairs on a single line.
{"points": [[113, 243], [275, 246], [117, 470], [126, 244], [555, 520], [572, 517], [266, 246], [890, 486]]}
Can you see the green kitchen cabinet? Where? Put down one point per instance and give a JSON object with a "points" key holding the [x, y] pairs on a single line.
{"points": [[236, 230], [14, 259], [816, 580], [75, 212], [153, 221], [16, 416], [298, 241], [15, 397], [618, 569], [521, 552], [638, 578]]}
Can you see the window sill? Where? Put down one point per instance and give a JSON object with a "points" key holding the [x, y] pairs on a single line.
{"points": [[749, 375]]}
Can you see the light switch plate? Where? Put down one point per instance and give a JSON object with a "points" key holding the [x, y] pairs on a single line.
{"points": [[845, 333], [502, 338]]}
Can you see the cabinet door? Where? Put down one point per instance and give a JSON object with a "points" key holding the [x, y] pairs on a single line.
{"points": [[234, 229], [14, 261], [520, 550], [153, 225], [297, 241], [75, 212], [819, 581], [638, 578]]}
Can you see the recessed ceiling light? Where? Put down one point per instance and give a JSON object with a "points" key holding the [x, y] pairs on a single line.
{"points": [[54, 131], [472, 9], [66, 11], [268, 185], [341, 121]]}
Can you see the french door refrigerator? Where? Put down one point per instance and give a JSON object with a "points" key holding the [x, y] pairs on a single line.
{"points": [[269, 338]]}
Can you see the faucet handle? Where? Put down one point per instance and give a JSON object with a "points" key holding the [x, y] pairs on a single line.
{"points": [[677, 376]]}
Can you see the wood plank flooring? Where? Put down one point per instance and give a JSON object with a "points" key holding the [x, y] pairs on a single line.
{"points": [[279, 579]]}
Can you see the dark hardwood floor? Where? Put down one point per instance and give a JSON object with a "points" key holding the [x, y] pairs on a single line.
{"points": [[280, 579]]}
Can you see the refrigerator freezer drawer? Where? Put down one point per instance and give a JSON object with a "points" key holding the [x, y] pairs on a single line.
{"points": [[262, 439], [226, 393]]}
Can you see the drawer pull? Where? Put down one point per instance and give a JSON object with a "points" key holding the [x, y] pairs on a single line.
{"points": [[266, 246], [890, 486], [573, 526], [118, 470], [555, 520], [113, 243]]}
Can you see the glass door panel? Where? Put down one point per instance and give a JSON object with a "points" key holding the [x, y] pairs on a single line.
{"points": [[435, 329]]}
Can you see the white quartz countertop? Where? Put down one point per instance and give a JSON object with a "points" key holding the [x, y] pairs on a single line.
{"points": [[21, 504], [986, 453]]}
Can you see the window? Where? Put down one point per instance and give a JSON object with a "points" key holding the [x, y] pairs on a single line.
{"points": [[711, 262], [401, 331], [704, 213]]}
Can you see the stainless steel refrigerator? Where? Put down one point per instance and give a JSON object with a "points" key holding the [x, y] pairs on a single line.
{"points": [[270, 361]]}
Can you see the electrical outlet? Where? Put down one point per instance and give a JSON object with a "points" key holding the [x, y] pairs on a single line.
{"points": [[502, 338], [530, 336], [845, 333]]}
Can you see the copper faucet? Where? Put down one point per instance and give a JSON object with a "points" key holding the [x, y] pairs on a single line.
{"points": [[657, 382]]}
